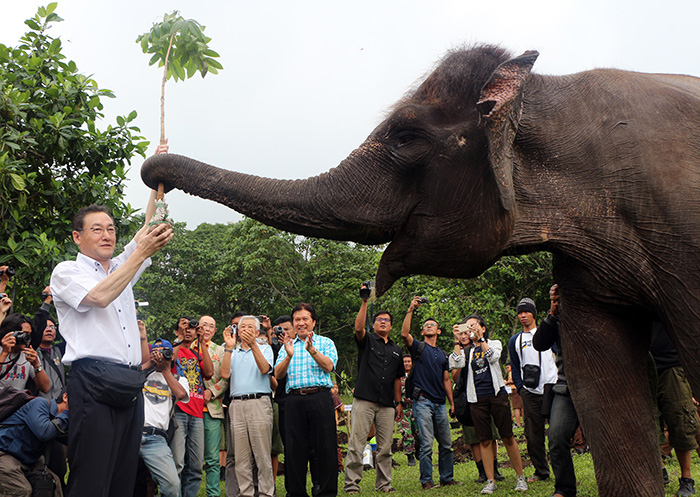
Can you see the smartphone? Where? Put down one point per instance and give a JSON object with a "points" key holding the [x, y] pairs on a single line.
{"points": [[463, 328]]}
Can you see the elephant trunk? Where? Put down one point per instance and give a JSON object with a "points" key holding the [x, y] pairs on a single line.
{"points": [[306, 207]]}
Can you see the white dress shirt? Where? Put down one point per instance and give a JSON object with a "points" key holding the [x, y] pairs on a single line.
{"points": [[109, 334]]}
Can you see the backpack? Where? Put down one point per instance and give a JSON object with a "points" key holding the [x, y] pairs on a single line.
{"points": [[409, 386], [12, 399], [459, 398]]}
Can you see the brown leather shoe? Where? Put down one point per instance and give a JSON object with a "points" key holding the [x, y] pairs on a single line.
{"points": [[450, 483], [428, 485]]}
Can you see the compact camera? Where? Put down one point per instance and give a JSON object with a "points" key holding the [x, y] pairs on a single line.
{"points": [[422, 300], [277, 335], [366, 292], [167, 354], [193, 323]]}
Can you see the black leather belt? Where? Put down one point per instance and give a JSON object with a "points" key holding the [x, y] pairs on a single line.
{"points": [[97, 361], [307, 390], [149, 430], [250, 396]]}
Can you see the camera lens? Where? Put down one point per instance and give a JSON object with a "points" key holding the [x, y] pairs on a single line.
{"points": [[167, 354], [193, 323]]}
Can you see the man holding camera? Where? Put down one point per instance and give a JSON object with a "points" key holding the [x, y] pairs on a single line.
{"points": [[194, 363], [18, 360], [532, 370], [377, 396], [158, 393], [308, 361], [432, 384]]}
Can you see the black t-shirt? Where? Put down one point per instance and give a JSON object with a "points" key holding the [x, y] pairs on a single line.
{"points": [[379, 364], [481, 370]]}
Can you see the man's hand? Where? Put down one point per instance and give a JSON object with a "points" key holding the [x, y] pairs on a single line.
{"points": [[47, 292], [142, 329], [32, 356], [4, 277], [266, 323], [415, 304], [288, 346], [159, 362], [229, 338], [452, 411], [162, 148], [248, 336], [152, 242], [207, 395], [399, 412], [8, 342], [554, 299], [5, 303], [309, 346]]}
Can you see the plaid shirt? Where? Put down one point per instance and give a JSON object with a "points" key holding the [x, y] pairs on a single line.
{"points": [[303, 372]]}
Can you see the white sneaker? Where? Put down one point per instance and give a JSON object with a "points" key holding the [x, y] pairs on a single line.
{"points": [[489, 488], [520, 484]]}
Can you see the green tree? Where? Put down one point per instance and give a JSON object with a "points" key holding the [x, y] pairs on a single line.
{"points": [[53, 157], [180, 47]]}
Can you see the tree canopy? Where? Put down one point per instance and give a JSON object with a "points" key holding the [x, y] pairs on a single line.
{"points": [[54, 158]]}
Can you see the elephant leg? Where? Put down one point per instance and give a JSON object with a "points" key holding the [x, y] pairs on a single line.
{"points": [[606, 364]]}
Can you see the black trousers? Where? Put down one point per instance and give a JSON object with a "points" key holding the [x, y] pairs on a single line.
{"points": [[534, 432], [310, 428], [103, 443]]}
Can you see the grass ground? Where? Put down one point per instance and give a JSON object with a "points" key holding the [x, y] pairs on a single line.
{"points": [[405, 478]]}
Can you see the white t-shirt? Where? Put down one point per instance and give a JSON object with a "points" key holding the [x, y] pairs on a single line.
{"points": [[528, 355], [158, 400]]}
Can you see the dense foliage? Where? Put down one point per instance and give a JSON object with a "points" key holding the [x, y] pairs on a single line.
{"points": [[217, 269], [53, 157]]}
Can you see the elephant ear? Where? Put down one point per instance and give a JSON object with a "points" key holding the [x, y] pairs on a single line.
{"points": [[500, 105]]}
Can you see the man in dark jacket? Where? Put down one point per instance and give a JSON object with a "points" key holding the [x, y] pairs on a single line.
{"points": [[24, 437], [563, 420]]}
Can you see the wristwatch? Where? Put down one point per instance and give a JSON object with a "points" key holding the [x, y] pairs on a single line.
{"points": [[482, 340], [38, 369]]}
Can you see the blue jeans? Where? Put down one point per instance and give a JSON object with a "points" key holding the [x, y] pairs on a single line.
{"points": [[188, 451], [159, 460], [432, 421], [563, 423]]}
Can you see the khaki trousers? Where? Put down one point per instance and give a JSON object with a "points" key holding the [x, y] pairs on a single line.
{"points": [[364, 413], [251, 428]]}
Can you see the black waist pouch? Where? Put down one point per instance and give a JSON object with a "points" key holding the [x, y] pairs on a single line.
{"points": [[531, 375], [109, 383]]}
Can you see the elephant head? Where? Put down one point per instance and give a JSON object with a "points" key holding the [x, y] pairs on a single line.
{"points": [[434, 179]]}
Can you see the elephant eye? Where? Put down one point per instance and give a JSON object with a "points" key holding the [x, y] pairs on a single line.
{"points": [[411, 146]]}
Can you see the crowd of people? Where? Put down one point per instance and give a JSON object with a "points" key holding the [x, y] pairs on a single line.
{"points": [[182, 409]]}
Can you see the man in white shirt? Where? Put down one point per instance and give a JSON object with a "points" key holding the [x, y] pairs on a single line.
{"points": [[95, 304], [532, 370], [158, 392]]}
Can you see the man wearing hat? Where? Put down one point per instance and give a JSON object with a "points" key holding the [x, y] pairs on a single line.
{"points": [[532, 370], [158, 392]]}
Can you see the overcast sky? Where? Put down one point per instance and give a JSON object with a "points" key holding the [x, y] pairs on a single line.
{"points": [[304, 82]]}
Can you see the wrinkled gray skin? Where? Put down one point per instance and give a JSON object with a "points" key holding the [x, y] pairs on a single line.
{"points": [[485, 159]]}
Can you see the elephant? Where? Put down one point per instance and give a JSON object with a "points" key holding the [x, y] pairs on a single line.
{"points": [[485, 158]]}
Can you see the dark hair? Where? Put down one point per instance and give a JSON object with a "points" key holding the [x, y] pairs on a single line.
{"points": [[432, 319], [303, 306], [79, 218], [408, 355], [238, 314], [282, 319], [379, 313], [59, 398], [481, 322], [13, 322]]}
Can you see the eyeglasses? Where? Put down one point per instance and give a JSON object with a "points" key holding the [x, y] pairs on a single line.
{"points": [[430, 325], [383, 320], [98, 230], [51, 327]]}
